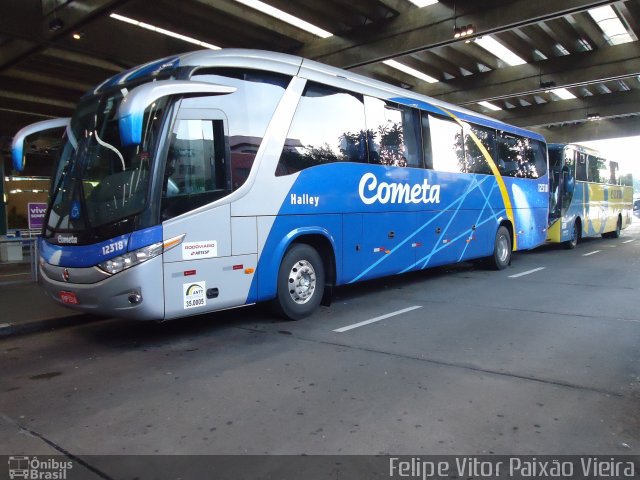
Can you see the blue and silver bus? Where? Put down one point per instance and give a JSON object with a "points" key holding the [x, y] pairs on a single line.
{"points": [[589, 195], [217, 179]]}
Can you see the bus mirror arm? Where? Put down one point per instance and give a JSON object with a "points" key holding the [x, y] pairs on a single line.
{"points": [[133, 106], [17, 146]]}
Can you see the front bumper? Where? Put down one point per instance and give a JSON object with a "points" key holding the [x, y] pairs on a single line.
{"points": [[111, 295]]}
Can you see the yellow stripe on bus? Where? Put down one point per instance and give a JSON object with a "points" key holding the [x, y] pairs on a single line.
{"points": [[494, 169]]}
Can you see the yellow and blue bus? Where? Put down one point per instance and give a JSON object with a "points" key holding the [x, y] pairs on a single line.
{"points": [[589, 195], [217, 179]]}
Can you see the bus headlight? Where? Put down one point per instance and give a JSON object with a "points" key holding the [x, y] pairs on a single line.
{"points": [[131, 259]]}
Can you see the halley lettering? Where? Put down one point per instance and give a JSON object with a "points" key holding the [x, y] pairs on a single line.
{"points": [[371, 191], [304, 199]]}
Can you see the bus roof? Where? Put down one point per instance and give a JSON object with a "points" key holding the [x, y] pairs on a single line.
{"points": [[294, 65], [575, 146]]}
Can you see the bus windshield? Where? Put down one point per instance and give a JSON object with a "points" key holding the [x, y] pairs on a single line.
{"points": [[98, 181]]}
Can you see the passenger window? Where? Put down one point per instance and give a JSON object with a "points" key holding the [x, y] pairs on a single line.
{"points": [[393, 134], [426, 142], [446, 145], [581, 167], [476, 162], [249, 110], [196, 172], [521, 157], [595, 168], [510, 155], [328, 126], [613, 173], [536, 157], [603, 171]]}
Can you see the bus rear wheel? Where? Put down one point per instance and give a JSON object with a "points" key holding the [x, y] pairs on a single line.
{"points": [[616, 232], [575, 236], [300, 282], [501, 250]]}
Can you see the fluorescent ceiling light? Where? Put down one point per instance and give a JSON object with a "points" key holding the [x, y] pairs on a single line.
{"points": [[285, 17], [490, 106], [563, 93], [610, 23], [163, 31], [410, 71], [491, 45], [423, 3]]}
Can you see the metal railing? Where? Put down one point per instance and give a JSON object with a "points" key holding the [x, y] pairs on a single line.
{"points": [[21, 248]]}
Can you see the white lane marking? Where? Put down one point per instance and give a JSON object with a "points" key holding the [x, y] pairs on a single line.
{"points": [[527, 272], [14, 274], [377, 319], [591, 253], [628, 241]]}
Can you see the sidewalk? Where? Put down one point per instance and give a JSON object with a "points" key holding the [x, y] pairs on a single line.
{"points": [[25, 307]]}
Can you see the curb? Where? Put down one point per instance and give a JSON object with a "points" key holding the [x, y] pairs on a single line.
{"points": [[15, 329]]}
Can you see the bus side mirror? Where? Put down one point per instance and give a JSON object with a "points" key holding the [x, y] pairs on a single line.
{"points": [[137, 101], [17, 146]]}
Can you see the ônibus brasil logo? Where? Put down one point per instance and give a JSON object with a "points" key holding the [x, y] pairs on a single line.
{"points": [[33, 468], [372, 191]]}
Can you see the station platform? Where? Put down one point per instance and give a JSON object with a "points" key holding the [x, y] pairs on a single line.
{"points": [[25, 307]]}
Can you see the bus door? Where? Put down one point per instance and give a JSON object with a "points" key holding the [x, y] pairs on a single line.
{"points": [[567, 180], [204, 272]]}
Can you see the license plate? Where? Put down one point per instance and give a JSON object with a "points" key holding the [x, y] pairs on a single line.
{"points": [[68, 297]]}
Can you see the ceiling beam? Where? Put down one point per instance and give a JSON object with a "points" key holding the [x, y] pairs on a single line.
{"points": [[30, 29], [432, 26], [575, 110], [50, 80], [36, 99], [583, 132], [618, 61], [251, 15]]}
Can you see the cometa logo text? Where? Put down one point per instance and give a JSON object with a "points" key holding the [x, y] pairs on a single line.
{"points": [[371, 191]]}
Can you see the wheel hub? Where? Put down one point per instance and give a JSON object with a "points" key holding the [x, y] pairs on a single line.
{"points": [[503, 249], [302, 282]]}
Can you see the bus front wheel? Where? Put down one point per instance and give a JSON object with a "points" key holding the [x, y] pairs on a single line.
{"points": [[575, 236], [501, 250], [300, 282]]}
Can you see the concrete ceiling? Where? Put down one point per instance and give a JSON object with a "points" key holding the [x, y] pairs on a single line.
{"points": [[43, 72]]}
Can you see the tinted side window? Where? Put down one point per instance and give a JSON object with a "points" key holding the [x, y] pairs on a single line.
{"points": [[446, 145], [569, 160], [555, 158], [426, 141], [328, 126], [510, 154], [603, 170], [626, 180], [536, 156], [521, 157], [596, 167], [248, 110], [475, 159], [581, 167], [614, 173], [196, 172], [393, 134]]}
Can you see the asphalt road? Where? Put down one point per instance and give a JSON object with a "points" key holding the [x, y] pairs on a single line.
{"points": [[487, 362]]}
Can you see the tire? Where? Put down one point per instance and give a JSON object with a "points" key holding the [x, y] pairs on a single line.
{"points": [[300, 282], [501, 257], [616, 232], [575, 236]]}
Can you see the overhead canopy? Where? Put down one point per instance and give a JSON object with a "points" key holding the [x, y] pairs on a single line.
{"points": [[570, 68]]}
